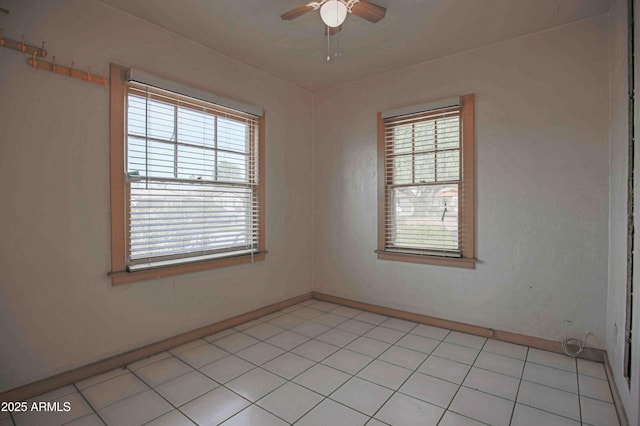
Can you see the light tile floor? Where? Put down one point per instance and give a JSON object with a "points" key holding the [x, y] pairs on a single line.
{"points": [[317, 363]]}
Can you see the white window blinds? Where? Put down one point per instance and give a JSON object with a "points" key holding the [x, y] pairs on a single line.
{"points": [[423, 182], [192, 176]]}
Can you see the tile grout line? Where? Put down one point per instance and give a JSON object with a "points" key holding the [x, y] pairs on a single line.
{"points": [[251, 403], [557, 368], [578, 388], [324, 398], [515, 402], [172, 355], [550, 387], [173, 407], [89, 404], [125, 369], [121, 399], [550, 412], [273, 390], [219, 384], [416, 369], [564, 390], [462, 382], [566, 371], [335, 327], [391, 345], [394, 391], [259, 407], [212, 390], [506, 375]]}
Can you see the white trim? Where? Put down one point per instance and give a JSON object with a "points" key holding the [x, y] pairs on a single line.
{"points": [[429, 106], [183, 89]]}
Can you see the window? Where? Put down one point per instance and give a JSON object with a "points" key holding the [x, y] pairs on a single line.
{"points": [[187, 179], [426, 183]]}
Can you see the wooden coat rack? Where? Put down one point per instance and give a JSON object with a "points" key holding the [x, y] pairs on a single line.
{"points": [[21, 46], [39, 52], [68, 71]]}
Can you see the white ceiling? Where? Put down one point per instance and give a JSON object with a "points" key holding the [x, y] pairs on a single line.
{"points": [[413, 31]]}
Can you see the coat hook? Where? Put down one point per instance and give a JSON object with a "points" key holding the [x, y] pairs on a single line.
{"points": [[89, 73], [34, 61], [22, 47], [53, 63], [42, 50]]}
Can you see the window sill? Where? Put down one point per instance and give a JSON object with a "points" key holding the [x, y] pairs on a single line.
{"points": [[185, 268], [456, 262]]}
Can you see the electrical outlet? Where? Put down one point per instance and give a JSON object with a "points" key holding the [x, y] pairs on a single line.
{"points": [[615, 334]]}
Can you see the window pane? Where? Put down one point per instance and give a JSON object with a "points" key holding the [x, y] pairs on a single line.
{"points": [[196, 163], [425, 217], [448, 165], [402, 139], [150, 158], [424, 135], [403, 169], [425, 168], [448, 131], [160, 120], [160, 159], [196, 127], [136, 156], [136, 115], [232, 167], [232, 135]]}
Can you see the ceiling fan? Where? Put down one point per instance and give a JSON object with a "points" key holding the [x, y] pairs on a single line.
{"points": [[334, 12]]}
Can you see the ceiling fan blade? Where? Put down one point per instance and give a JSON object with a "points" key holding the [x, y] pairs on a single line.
{"points": [[332, 30], [369, 11], [296, 12]]}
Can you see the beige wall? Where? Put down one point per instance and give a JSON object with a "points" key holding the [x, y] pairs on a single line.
{"points": [[58, 309], [618, 171], [542, 186]]}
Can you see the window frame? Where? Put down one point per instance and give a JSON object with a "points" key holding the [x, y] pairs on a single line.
{"points": [[120, 195], [467, 213]]}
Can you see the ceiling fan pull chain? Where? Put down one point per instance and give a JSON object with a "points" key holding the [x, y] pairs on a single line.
{"points": [[328, 46]]}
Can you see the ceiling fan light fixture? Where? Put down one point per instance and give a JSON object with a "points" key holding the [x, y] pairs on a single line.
{"points": [[333, 13]]}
